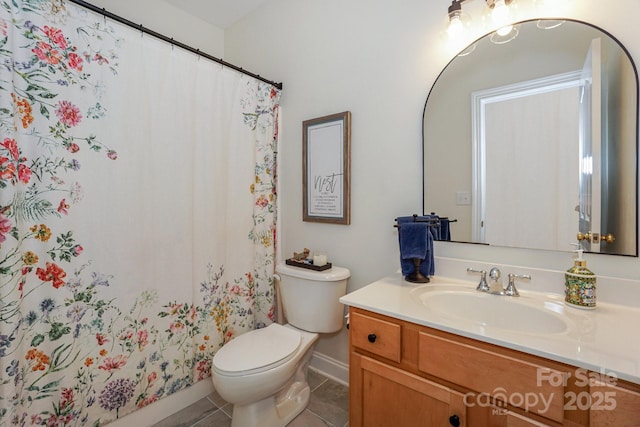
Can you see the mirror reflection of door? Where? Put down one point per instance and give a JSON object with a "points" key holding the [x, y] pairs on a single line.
{"points": [[533, 132], [590, 199]]}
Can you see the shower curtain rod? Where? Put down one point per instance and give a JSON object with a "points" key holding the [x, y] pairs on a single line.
{"points": [[162, 37]]}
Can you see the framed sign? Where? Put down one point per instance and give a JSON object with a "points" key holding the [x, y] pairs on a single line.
{"points": [[326, 164]]}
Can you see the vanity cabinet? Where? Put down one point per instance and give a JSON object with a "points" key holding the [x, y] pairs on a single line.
{"points": [[404, 374]]}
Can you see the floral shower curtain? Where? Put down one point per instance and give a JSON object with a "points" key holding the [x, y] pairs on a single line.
{"points": [[137, 214]]}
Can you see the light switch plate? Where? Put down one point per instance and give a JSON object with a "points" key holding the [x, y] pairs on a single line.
{"points": [[463, 198]]}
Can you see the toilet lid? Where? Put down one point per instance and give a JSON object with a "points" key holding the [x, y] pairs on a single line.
{"points": [[257, 349]]}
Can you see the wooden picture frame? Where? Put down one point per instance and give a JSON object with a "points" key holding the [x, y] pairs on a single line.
{"points": [[326, 169]]}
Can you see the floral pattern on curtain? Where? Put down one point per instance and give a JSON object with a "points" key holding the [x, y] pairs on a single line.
{"points": [[137, 214]]}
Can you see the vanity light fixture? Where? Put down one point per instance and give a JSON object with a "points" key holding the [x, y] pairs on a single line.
{"points": [[499, 15]]}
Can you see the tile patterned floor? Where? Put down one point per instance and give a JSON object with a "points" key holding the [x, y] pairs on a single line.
{"points": [[328, 407]]}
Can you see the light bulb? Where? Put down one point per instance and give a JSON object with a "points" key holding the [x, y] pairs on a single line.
{"points": [[458, 20], [500, 13], [455, 27]]}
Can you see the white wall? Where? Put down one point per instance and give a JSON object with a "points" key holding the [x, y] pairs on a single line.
{"points": [[378, 59], [166, 19]]}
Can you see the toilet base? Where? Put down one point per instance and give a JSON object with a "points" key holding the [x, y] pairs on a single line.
{"points": [[280, 409], [274, 411]]}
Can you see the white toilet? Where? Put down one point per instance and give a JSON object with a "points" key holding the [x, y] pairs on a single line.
{"points": [[263, 373]]}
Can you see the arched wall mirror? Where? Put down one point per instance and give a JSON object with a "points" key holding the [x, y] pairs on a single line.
{"points": [[533, 143]]}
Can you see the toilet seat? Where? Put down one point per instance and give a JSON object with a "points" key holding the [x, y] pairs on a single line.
{"points": [[256, 351]]}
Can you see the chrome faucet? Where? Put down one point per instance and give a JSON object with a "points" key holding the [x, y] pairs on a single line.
{"points": [[494, 286]]}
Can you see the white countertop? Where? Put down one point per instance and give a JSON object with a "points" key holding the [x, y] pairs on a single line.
{"points": [[604, 340]]}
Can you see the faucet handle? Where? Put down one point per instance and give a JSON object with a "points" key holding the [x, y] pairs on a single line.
{"points": [[511, 287], [482, 286]]}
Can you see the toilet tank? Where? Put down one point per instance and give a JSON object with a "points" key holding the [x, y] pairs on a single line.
{"points": [[310, 298]]}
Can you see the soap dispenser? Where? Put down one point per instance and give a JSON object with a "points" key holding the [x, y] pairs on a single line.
{"points": [[580, 283]]}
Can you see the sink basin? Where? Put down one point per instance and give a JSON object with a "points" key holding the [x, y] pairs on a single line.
{"points": [[517, 314]]}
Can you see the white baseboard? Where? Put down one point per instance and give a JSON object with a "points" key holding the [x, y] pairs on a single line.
{"points": [[165, 407], [330, 368]]}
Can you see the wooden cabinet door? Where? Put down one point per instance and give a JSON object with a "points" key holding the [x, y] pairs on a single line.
{"points": [[613, 406], [392, 397]]}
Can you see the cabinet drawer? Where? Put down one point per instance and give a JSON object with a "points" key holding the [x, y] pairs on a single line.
{"points": [[375, 335], [535, 388]]}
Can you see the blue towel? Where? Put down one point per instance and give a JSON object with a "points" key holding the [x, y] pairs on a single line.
{"points": [[402, 219], [413, 240], [416, 241], [434, 229], [445, 229]]}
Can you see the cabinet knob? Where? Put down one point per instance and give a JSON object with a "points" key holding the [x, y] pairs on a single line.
{"points": [[454, 420], [372, 338]]}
